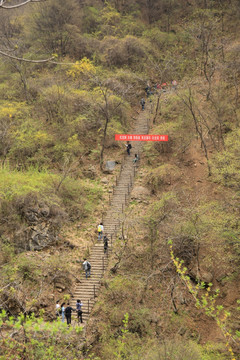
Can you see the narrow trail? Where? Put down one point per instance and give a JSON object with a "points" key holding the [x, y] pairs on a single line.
{"points": [[87, 290]]}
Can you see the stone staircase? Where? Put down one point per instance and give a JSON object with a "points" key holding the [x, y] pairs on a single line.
{"points": [[88, 289]]}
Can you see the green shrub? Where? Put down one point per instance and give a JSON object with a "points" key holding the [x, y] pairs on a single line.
{"points": [[225, 164], [162, 175], [18, 183]]}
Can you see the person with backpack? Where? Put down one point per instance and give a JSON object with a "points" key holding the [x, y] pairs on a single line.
{"points": [[68, 313], [136, 158], [79, 305], [87, 268], [63, 311], [100, 231], [105, 244], [142, 102], [128, 146]]}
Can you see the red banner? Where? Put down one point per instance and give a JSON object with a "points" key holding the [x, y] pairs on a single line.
{"points": [[135, 137]]}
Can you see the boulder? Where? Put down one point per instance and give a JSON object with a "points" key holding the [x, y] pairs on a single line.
{"points": [[109, 166], [140, 193], [90, 173], [206, 277], [41, 237], [104, 180], [60, 286], [202, 275]]}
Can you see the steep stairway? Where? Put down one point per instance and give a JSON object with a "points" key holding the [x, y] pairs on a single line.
{"points": [[88, 289]]}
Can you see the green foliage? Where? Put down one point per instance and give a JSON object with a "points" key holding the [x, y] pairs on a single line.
{"points": [[125, 346], [80, 197], [184, 350], [29, 144], [7, 251], [161, 39], [50, 140], [90, 21], [159, 209], [37, 339], [179, 129], [28, 269], [18, 183], [121, 288], [206, 300], [162, 175], [139, 322], [54, 25]]}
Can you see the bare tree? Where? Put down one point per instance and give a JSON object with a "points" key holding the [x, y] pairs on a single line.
{"points": [[5, 138], [11, 46], [189, 102], [107, 108], [162, 70]]}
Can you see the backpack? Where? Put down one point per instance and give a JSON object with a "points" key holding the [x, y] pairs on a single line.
{"points": [[129, 146], [99, 228], [68, 310], [88, 266]]}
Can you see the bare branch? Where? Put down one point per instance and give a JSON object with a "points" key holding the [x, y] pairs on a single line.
{"points": [[2, 2], [26, 60]]}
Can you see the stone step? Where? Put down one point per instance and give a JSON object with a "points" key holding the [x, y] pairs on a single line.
{"points": [[86, 289], [89, 288], [84, 292]]}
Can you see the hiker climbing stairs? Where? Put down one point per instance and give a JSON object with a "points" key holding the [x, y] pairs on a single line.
{"points": [[88, 289]]}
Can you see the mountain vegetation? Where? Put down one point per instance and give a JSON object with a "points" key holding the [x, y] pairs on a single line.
{"points": [[72, 74]]}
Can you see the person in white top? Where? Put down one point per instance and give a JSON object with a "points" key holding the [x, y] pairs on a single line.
{"points": [[58, 307], [87, 268]]}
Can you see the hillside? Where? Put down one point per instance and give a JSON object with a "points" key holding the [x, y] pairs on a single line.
{"points": [[71, 76]]}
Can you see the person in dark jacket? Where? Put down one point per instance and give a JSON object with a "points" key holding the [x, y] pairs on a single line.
{"points": [[142, 102], [68, 313], [128, 146], [79, 305], [105, 244]]}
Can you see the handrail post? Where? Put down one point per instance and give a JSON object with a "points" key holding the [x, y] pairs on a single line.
{"points": [[122, 207], [111, 240], [125, 199]]}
